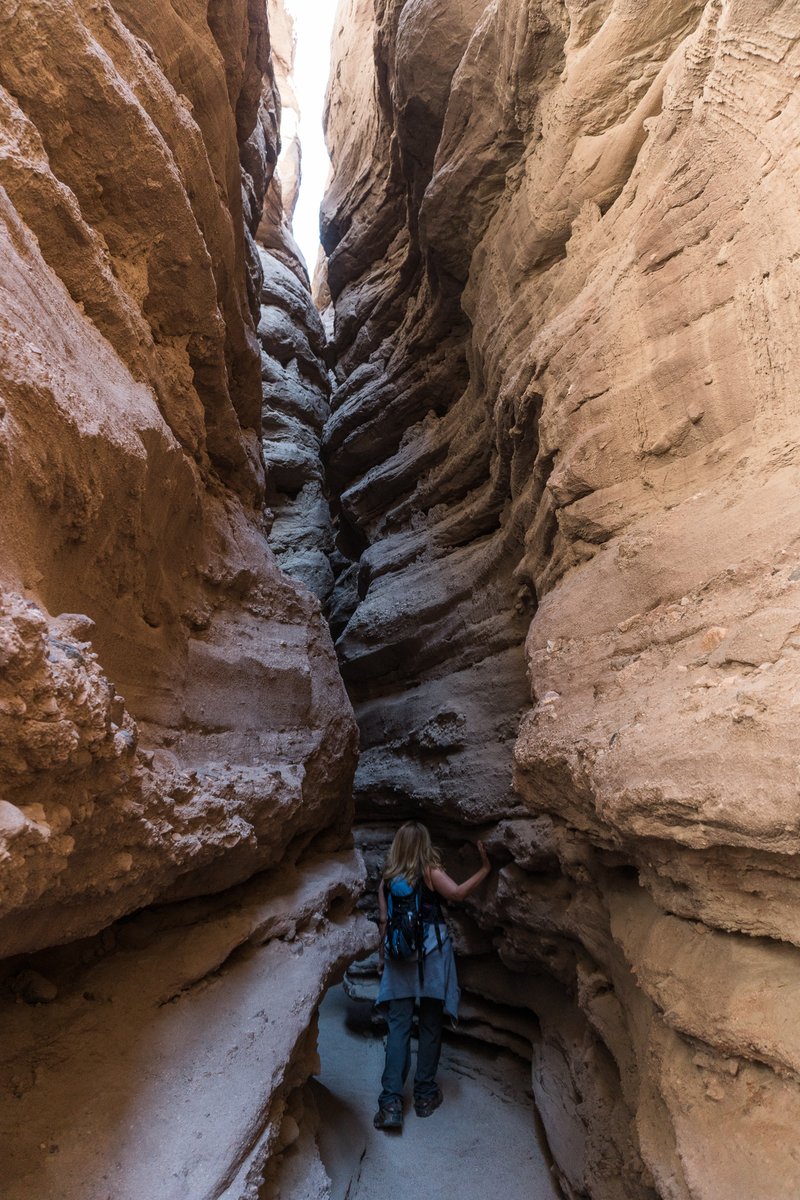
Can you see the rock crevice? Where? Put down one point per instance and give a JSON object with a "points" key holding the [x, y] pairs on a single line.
{"points": [[543, 477]]}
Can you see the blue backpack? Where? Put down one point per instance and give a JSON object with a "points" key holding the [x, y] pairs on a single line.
{"points": [[405, 929]]}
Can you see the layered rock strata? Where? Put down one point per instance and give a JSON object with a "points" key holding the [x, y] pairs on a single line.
{"points": [[296, 396], [294, 367], [126, 554], [205, 1009], [172, 719], [562, 256]]}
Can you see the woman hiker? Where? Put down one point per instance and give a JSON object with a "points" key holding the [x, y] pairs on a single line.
{"points": [[410, 908]]}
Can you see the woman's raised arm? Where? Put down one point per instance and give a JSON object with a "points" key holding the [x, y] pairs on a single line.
{"points": [[447, 887]]}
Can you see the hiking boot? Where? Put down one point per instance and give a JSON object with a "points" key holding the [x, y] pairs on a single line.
{"points": [[424, 1108], [389, 1117]]}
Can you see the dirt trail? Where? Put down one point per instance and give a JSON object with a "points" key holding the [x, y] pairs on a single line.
{"points": [[481, 1142]]}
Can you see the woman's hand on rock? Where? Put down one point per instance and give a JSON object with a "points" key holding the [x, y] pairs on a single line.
{"points": [[484, 856]]}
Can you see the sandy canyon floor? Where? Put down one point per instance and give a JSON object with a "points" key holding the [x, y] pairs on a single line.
{"points": [[480, 1143]]}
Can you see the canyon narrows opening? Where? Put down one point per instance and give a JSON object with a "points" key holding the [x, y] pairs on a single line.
{"points": [[501, 533]]}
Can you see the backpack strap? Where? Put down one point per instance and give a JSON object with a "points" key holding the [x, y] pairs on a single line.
{"points": [[420, 933]]}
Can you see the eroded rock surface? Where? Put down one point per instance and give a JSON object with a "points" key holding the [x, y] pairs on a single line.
{"points": [[563, 264], [172, 718], [167, 693], [170, 1059], [296, 406]]}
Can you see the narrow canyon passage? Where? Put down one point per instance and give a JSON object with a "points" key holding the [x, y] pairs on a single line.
{"points": [[486, 1121], [490, 520]]}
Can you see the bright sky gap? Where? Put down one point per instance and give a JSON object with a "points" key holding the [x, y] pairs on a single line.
{"points": [[313, 21]]}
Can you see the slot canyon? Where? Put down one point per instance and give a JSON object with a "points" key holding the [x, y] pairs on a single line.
{"points": [[490, 519]]}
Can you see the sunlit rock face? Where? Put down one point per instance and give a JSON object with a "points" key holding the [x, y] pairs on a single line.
{"points": [[172, 712], [172, 718], [563, 262]]}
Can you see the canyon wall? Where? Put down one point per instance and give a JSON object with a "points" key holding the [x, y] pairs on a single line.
{"points": [[172, 718], [562, 257]]}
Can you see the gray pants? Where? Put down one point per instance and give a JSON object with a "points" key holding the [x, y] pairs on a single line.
{"points": [[398, 1049]]}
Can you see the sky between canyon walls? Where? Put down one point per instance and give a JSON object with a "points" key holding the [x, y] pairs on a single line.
{"points": [[313, 26]]}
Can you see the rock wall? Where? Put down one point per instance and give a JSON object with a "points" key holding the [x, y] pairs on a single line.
{"points": [[562, 255], [172, 719]]}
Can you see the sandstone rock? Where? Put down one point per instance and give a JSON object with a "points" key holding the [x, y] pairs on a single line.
{"points": [[194, 1036], [562, 264], [33, 987], [296, 395], [172, 719], [294, 371], [126, 315]]}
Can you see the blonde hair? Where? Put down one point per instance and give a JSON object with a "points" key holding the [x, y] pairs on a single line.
{"points": [[412, 854]]}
